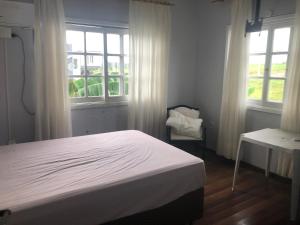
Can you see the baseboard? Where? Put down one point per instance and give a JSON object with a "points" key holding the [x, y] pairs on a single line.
{"points": [[248, 165]]}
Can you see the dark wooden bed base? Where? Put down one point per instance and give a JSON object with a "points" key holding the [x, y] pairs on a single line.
{"points": [[183, 210]]}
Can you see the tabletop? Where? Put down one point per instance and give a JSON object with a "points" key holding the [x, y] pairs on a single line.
{"points": [[274, 138]]}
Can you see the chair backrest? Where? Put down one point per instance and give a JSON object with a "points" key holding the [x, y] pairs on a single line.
{"points": [[186, 110]]}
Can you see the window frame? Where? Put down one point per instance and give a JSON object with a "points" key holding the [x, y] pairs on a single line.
{"points": [[105, 99], [271, 24]]}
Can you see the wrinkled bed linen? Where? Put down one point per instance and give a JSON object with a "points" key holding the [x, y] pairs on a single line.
{"points": [[93, 179]]}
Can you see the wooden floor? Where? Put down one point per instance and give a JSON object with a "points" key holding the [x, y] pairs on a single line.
{"points": [[256, 201]]}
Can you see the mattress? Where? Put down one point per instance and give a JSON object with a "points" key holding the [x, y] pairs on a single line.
{"points": [[93, 179]]}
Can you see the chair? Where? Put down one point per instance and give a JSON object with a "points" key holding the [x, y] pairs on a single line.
{"points": [[173, 138]]}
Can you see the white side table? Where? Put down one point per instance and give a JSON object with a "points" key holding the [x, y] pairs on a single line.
{"points": [[278, 140]]}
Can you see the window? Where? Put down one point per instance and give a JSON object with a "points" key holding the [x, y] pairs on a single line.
{"points": [[98, 62], [267, 69]]}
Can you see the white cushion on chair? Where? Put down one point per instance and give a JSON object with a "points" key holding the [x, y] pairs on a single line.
{"points": [[188, 112], [184, 125], [177, 137]]}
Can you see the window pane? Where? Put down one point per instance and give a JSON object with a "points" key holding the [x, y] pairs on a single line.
{"points": [[75, 41], [126, 85], [278, 68], [77, 87], [126, 65], [126, 44], [281, 39], [113, 65], [113, 43], [276, 89], [95, 86], [94, 42], [94, 65], [255, 88], [75, 65], [257, 65], [258, 42], [114, 86]]}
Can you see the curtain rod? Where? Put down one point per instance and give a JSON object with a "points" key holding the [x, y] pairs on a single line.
{"points": [[156, 2]]}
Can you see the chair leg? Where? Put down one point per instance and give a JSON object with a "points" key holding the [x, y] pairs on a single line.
{"points": [[204, 151], [199, 146], [194, 149], [202, 145], [237, 163], [268, 159]]}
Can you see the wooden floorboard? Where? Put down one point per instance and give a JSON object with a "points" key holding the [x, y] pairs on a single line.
{"points": [[256, 201]]}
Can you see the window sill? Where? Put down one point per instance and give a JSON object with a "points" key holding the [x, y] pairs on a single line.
{"points": [[92, 105], [264, 109]]}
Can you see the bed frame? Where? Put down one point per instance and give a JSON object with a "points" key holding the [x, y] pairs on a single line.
{"points": [[184, 210], [4, 214]]}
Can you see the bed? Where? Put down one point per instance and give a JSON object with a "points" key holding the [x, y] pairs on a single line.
{"points": [[124, 177]]}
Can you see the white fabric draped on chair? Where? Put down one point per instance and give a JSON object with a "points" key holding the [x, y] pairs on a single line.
{"points": [[149, 31], [52, 117]]}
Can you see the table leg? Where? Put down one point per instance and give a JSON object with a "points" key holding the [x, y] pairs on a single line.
{"points": [[294, 201], [295, 185], [268, 159], [237, 163]]}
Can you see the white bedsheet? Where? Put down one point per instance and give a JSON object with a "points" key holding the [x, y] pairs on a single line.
{"points": [[93, 179]]}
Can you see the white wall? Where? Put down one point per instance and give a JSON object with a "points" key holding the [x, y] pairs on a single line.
{"points": [[22, 123], [195, 78], [99, 10], [183, 54], [3, 108], [99, 120], [182, 76], [105, 119], [213, 21], [183, 59]]}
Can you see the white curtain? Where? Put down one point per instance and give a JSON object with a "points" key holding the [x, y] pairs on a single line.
{"points": [[233, 108], [149, 31], [290, 119], [52, 102]]}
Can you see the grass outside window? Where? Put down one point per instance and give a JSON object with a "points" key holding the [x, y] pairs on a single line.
{"points": [[267, 68]]}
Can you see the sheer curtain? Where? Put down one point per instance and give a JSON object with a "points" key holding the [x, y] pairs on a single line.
{"points": [[233, 109], [290, 119], [52, 102], [149, 31]]}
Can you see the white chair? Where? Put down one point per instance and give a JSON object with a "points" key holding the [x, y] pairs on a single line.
{"points": [[174, 138]]}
